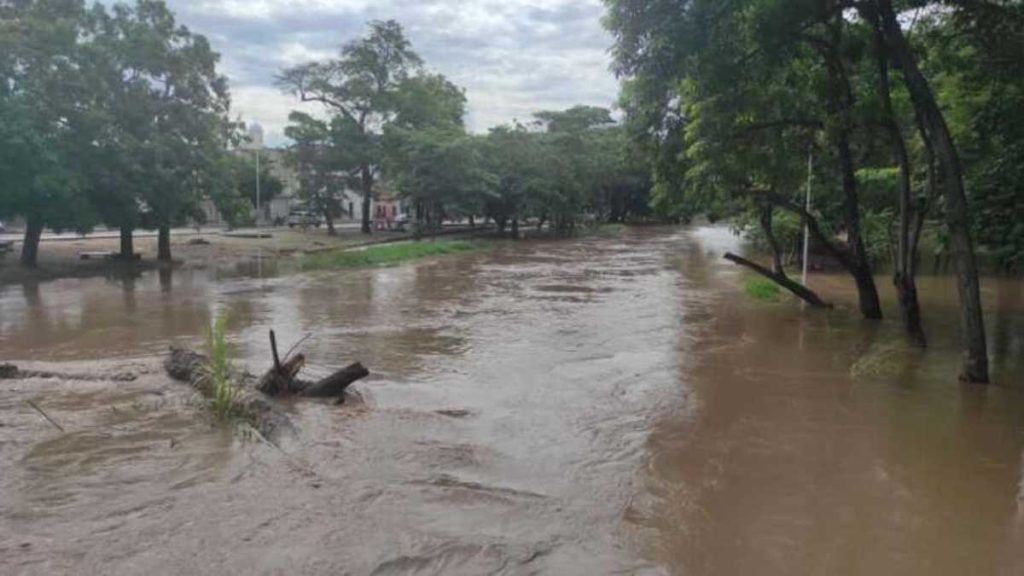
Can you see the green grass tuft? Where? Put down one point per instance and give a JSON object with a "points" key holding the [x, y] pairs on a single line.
{"points": [[386, 254], [224, 392], [761, 289]]}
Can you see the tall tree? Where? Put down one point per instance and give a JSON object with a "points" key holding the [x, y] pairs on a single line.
{"points": [[949, 172], [429, 158], [185, 119], [359, 88], [43, 118]]}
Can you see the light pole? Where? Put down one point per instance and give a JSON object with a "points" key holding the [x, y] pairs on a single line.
{"points": [[807, 228], [255, 143]]}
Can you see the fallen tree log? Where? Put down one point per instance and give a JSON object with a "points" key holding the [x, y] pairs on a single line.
{"points": [[334, 385], [282, 378], [798, 290], [255, 394], [188, 366]]}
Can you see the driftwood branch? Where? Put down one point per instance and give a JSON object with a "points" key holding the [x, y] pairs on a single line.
{"points": [[780, 278], [282, 378], [334, 385], [45, 415]]}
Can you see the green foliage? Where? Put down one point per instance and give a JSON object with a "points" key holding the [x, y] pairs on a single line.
{"points": [[44, 118], [224, 393], [236, 197], [726, 99], [974, 59], [386, 254], [112, 114], [787, 228], [761, 289]]}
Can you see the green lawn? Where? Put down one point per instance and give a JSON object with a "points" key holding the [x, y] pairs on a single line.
{"points": [[386, 254], [761, 289]]}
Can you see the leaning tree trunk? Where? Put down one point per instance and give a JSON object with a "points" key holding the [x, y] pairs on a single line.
{"points": [[781, 279], [975, 361], [367, 181], [163, 243], [840, 98], [30, 246], [127, 243], [777, 274]]}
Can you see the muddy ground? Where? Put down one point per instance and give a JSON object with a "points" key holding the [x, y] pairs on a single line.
{"points": [[61, 258]]}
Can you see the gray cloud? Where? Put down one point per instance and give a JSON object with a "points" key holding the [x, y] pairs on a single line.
{"points": [[513, 57]]}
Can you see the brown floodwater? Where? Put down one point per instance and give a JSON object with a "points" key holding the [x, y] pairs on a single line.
{"points": [[591, 406]]}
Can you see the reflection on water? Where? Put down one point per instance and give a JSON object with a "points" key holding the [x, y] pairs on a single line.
{"points": [[589, 406]]}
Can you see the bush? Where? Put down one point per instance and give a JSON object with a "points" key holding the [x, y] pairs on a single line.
{"points": [[224, 392]]}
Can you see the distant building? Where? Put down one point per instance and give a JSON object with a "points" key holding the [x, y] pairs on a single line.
{"points": [[384, 207]]}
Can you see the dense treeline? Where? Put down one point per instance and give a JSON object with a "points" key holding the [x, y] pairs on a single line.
{"points": [[913, 111], [393, 124], [117, 115], [113, 115]]}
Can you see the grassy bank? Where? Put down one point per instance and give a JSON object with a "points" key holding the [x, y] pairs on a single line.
{"points": [[386, 254], [761, 289]]}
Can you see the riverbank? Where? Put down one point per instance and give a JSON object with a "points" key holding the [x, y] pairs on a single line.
{"points": [[201, 250]]}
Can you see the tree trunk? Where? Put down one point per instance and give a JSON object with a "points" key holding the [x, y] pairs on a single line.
{"points": [[330, 223], [975, 361], [515, 228], [163, 243], [367, 180], [127, 243], [781, 279], [30, 246], [911, 218], [773, 243], [840, 104], [472, 221]]}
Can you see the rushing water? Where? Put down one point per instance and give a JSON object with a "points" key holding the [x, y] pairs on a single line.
{"points": [[593, 406]]}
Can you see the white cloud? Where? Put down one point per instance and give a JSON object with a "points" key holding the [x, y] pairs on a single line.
{"points": [[514, 57], [269, 107], [266, 9]]}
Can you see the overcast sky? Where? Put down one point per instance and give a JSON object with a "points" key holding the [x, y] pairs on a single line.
{"points": [[513, 57]]}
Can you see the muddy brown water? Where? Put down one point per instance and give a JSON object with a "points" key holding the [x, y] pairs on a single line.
{"points": [[594, 406]]}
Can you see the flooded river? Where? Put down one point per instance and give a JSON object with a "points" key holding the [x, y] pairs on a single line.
{"points": [[593, 406]]}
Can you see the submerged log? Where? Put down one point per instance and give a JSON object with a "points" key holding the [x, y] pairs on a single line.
{"points": [[334, 385], [798, 290], [282, 378], [188, 366]]}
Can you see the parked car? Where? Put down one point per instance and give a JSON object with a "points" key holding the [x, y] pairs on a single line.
{"points": [[304, 219]]}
